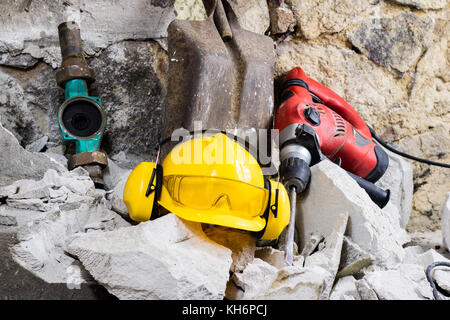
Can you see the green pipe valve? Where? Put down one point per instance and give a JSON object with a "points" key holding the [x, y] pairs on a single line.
{"points": [[81, 117]]}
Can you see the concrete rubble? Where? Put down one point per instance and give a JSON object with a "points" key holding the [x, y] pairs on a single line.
{"points": [[163, 259], [368, 226], [62, 238], [353, 259], [69, 233]]}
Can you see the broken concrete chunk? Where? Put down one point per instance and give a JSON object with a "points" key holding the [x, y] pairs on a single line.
{"points": [[311, 244], [260, 280], [113, 174], [116, 199], [272, 256], [445, 214], [233, 292], [29, 204], [37, 145], [241, 243], [43, 236], [294, 283], [17, 163], [353, 259], [398, 178], [365, 291], [392, 285], [166, 258], [256, 279], [417, 275], [331, 192], [425, 259], [345, 289], [441, 276], [328, 258]]}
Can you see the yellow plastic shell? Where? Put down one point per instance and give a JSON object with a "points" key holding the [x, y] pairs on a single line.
{"points": [[214, 180], [276, 225], [139, 206]]}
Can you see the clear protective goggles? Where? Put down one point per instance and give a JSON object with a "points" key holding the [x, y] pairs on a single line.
{"points": [[214, 195]]}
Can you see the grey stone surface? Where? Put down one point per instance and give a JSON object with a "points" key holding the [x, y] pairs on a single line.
{"points": [[353, 258], [331, 192], [22, 61], [395, 43], [345, 289], [398, 178], [130, 81], [37, 145], [365, 291], [46, 213], [406, 282], [35, 32], [328, 257], [17, 283], [260, 281], [17, 163], [328, 16], [241, 243], [424, 4], [184, 263]]}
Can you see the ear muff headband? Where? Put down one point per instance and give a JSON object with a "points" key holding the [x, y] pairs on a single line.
{"points": [[155, 186], [267, 186]]}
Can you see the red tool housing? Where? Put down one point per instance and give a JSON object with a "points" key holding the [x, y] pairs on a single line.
{"points": [[341, 132]]}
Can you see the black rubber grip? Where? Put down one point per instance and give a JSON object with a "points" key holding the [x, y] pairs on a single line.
{"points": [[379, 196]]}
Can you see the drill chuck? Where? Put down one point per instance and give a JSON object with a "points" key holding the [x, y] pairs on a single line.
{"points": [[295, 173]]}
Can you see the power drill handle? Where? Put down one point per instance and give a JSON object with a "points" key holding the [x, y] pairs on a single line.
{"points": [[334, 102], [379, 196]]}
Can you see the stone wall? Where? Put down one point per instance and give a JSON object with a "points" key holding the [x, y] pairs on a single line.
{"points": [[388, 58]]}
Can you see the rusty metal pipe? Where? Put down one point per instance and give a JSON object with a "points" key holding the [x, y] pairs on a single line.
{"points": [[73, 65]]}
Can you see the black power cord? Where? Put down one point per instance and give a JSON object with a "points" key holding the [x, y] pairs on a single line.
{"points": [[384, 144], [430, 278]]}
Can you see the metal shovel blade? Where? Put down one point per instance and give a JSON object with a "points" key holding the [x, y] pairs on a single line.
{"points": [[219, 73]]}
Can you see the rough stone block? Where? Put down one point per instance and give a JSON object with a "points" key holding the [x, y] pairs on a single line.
{"points": [[353, 259], [345, 289], [166, 258], [328, 257], [241, 243], [398, 178], [332, 192]]}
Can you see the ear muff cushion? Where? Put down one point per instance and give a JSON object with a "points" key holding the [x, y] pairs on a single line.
{"points": [[158, 185], [267, 186]]}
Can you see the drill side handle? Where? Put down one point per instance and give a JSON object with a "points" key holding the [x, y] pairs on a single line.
{"points": [[379, 196]]}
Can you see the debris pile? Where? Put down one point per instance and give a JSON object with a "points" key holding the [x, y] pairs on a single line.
{"points": [[61, 236], [347, 247]]}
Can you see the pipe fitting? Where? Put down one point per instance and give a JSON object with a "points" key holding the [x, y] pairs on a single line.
{"points": [[73, 65]]}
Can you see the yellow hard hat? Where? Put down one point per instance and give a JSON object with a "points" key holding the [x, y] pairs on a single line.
{"points": [[212, 180]]}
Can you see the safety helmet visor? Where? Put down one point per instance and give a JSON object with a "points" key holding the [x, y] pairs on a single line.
{"points": [[215, 200], [214, 194]]}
